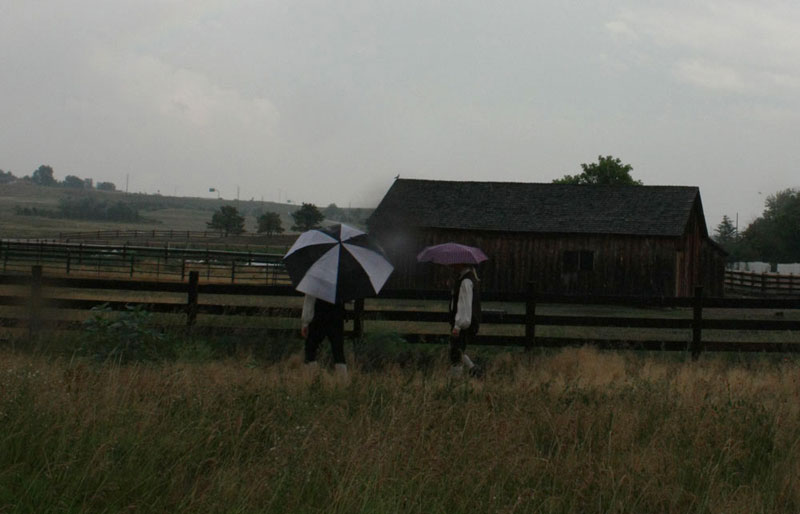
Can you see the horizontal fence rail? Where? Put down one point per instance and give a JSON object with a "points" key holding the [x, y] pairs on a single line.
{"points": [[762, 283], [143, 234], [131, 261], [29, 298]]}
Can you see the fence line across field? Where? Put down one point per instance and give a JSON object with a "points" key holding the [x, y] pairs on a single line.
{"points": [[165, 262], [37, 298], [762, 283], [174, 262]]}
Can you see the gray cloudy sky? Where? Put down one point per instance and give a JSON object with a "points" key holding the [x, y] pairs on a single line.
{"points": [[326, 101]]}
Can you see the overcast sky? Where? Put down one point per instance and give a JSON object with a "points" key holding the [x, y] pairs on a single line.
{"points": [[326, 101]]}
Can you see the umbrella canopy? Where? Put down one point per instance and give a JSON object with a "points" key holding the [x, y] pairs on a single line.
{"points": [[337, 264], [452, 253]]}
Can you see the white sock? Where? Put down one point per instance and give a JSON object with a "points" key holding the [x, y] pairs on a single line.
{"points": [[312, 366], [456, 370], [341, 369], [467, 362]]}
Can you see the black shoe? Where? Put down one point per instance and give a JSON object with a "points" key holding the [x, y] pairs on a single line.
{"points": [[476, 371]]}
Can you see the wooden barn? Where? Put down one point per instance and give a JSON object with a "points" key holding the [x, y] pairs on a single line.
{"points": [[608, 240]]}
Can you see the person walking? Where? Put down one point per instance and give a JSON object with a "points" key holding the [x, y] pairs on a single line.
{"points": [[322, 319], [465, 313]]}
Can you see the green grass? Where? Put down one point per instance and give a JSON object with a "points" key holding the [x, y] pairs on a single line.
{"points": [[573, 431]]}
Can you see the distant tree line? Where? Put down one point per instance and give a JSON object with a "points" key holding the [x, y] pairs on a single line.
{"points": [[86, 208], [44, 176], [229, 220]]}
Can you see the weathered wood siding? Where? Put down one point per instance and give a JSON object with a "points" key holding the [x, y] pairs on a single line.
{"points": [[621, 265], [699, 262]]}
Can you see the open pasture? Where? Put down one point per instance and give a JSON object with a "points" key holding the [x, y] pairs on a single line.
{"points": [[566, 431]]}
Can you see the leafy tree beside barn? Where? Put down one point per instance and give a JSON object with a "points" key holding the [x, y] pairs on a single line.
{"points": [[606, 171], [775, 236]]}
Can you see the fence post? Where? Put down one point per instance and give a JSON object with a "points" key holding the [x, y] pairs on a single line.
{"points": [[191, 299], [530, 316], [358, 318], [34, 323], [233, 272], [697, 323], [183, 269], [69, 258], [133, 258]]}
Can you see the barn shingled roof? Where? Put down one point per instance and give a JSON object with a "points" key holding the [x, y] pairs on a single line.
{"points": [[541, 208]]}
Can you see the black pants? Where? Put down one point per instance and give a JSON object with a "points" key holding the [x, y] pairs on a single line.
{"points": [[318, 330], [458, 344]]}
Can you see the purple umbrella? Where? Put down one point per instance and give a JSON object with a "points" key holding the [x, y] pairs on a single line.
{"points": [[452, 253]]}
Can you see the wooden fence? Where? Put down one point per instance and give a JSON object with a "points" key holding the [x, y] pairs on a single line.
{"points": [[169, 261], [762, 284], [139, 234], [34, 298], [157, 263]]}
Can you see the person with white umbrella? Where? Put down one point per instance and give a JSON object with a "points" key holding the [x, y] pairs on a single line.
{"points": [[331, 266]]}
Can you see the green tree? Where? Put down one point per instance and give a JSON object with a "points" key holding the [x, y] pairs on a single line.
{"points": [[727, 236], [6, 176], [270, 223], [43, 176], [606, 171], [73, 181], [106, 186], [228, 220], [726, 233], [775, 236], [307, 217], [332, 212]]}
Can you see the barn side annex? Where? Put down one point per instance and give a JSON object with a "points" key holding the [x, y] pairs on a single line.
{"points": [[609, 240]]}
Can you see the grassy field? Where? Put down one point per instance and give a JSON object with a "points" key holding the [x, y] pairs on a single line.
{"points": [[160, 212], [573, 431]]}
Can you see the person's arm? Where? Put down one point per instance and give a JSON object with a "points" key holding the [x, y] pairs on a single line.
{"points": [[464, 309], [308, 314]]}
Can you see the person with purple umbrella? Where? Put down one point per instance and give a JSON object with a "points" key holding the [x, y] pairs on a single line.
{"points": [[465, 314], [465, 302]]}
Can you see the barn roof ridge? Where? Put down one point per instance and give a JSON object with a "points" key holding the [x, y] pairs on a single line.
{"points": [[535, 207], [549, 184]]}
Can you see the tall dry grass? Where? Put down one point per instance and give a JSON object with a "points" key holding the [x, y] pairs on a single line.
{"points": [[575, 431]]}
